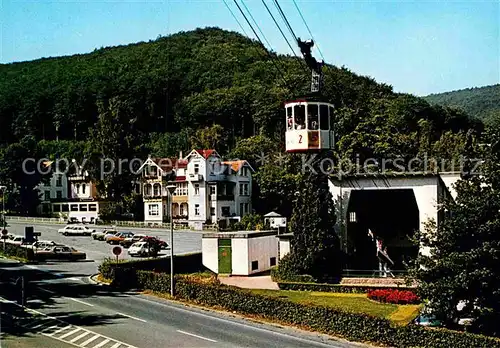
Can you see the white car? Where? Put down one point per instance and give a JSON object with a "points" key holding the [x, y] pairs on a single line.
{"points": [[76, 230], [139, 249], [42, 244], [13, 239]]}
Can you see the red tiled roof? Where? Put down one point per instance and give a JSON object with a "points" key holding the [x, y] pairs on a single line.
{"points": [[235, 165], [205, 153]]}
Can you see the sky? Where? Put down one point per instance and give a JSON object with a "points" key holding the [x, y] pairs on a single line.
{"points": [[418, 47]]}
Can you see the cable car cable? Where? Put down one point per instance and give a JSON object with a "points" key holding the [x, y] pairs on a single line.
{"points": [[258, 38], [235, 18], [309, 30], [283, 16], [257, 25], [279, 28]]}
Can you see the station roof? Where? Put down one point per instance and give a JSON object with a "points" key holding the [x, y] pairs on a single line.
{"points": [[239, 234], [383, 175]]}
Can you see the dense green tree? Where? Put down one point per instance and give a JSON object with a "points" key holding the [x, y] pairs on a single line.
{"points": [[462, 265], [315, 247], [209, 138], [111, 149]]}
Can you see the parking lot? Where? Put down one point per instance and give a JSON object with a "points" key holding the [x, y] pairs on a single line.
{"points": [[184, 242]]}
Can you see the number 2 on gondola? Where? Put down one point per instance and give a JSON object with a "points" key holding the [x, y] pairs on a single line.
{"points": [[300, 139]]}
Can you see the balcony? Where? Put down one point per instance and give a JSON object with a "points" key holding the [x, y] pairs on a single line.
{"points": [[77, 178], [194, 177], [225, 197]]}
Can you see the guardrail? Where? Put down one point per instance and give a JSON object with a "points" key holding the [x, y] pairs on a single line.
{"points": [[121, 223]]}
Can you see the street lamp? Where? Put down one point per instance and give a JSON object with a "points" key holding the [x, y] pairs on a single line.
{"points": [[171, 188], [3, 189]]}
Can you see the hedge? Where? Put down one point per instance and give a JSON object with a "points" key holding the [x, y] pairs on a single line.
{"points": [[124, 272], [351, 326], [338, 288], [17, 251]]}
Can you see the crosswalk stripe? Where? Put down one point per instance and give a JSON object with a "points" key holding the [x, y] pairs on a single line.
{"points": [[60, 330], [79, 337], [50, 327], [116, 345], [70, 333], [101, 344], [91, 339]]}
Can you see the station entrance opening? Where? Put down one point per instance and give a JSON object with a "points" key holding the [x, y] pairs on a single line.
{"points": [[392, 216]]}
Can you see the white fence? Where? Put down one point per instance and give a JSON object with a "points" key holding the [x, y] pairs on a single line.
{"points": [[137, 224]]}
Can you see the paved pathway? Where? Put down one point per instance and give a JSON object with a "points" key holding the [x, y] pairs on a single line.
{"points": [[252, 282]]}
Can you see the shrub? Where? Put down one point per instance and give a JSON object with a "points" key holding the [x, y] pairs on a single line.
{"points": [[394, 296], [351, 326], [124, 272], [17, 251], [286, 272]]}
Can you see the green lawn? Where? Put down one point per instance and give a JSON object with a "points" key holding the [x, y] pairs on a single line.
{"points": [[359, 303]]}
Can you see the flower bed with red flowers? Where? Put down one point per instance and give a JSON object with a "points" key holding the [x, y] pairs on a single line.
{"points": [[394, 296]]}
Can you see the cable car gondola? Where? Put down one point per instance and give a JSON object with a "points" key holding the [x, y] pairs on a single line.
{"points": [[309, 120]]}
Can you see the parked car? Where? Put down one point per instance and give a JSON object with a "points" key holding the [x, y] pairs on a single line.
{"points": [[60, 253], [156, 241], [42, 244], [142, 249], [76, 230], [118, 237], [127, 242], [14, 239], [101, 235], [72, 220]]}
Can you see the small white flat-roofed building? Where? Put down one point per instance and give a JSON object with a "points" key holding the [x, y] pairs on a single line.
{"points": [[240, 253]]}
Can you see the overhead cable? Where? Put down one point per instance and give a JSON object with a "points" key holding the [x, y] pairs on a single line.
{"points": [[309, 30]]}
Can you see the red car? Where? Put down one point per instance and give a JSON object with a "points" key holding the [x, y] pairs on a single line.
{"points": [[153, 240]]}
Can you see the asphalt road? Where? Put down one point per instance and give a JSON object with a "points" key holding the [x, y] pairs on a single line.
{"points": [[97, 251], [72, 310]]}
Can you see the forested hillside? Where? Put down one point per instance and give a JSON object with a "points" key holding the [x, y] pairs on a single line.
{"points": [[203, 88], [480, 102]]}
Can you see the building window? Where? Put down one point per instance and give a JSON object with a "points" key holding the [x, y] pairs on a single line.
{"points": [[59, 194], [246, 208], [196, 168], [156, 190], [196, 189], [197, 209], [212, 189], [272, 261], [92, 207], [181, 210], [212, 211], [77, 188], [352, 216], [255, 265], [65, 208], [154, 210], [84, 188], [241, 209], [243, 189], [83, 207], [57, 208], [59, 181], [225, 211], [74, 207], [47, 195]]}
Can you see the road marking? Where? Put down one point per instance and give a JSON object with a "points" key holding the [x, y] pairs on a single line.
{"points": [[60, 330], [201, 337], [131, 317], [116, 345], [70, 333], [102, 343], [79, 337], [45, 290], [93, 338], [85, 303]]}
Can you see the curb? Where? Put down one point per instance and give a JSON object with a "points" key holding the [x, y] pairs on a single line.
{"points": [[93, 279]]}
